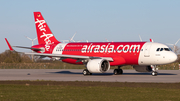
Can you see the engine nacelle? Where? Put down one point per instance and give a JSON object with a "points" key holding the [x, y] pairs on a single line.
{"points": [[143, 68], [98, 65]]}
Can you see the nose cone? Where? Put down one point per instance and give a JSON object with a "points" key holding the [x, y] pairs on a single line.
{"points": [[172, 57]]}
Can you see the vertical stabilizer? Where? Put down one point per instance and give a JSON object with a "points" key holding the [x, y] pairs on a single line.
{"points": [[44, 33]]}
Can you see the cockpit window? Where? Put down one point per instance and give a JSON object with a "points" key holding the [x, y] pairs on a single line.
{"points": [[163, 49], [158, 49], [166, 49]]}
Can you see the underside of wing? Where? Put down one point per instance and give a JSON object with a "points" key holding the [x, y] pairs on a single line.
{"points": [[79, 57]]}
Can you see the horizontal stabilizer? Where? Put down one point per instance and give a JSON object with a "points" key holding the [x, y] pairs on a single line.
{"points": [[9, 45], [28, 48]]}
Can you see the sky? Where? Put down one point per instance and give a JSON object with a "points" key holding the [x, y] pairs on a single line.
{"points": [[93, 20]]}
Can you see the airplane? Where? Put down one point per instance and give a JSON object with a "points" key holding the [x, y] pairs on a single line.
{"points": [[99, 56]]}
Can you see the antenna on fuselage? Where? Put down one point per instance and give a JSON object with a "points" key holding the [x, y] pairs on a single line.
{"points": [[151, 40]]}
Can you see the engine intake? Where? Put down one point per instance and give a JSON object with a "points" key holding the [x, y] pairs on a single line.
{"points": [[98, 65], [143, 68]]}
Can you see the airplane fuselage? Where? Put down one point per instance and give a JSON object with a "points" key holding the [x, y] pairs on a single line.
{"points": [[123, 53]]}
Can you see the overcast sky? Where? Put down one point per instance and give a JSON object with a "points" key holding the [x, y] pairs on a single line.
{"points": [[93, 20]]}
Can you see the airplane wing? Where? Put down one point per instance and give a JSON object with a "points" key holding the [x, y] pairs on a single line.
{"points": [[69, 56], [78, 57]]}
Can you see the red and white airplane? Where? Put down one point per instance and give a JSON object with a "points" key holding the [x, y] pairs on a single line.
{"points": [[99, 56]]}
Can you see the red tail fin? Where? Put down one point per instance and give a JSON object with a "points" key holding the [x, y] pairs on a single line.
{"points": [[44, 33]]}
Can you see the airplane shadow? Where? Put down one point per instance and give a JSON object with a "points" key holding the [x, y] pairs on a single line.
{"points": [[65, 72], [147, 73], [107, 74], [69, 72]]}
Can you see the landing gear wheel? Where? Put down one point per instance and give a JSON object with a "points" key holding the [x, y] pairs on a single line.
{"points": [[118, 71], [115, 71], [86, 72], [154, 73]]}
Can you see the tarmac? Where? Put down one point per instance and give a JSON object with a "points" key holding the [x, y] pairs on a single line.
{"points": [[164, 76]]}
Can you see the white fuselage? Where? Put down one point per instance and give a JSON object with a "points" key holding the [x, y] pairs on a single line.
{"points": [[156, 54]]}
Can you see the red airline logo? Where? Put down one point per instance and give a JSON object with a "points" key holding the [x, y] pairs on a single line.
{"points": [[110, 48]]}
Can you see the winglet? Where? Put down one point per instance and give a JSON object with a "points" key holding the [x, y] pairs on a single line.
{"points": [[9, 45], [151, 40]]}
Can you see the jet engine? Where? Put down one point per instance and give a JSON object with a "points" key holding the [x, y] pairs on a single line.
{"points": [[143, 68], [98, 66]]}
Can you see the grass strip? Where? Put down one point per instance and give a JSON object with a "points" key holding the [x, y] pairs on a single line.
{"points": [[86, 91]]}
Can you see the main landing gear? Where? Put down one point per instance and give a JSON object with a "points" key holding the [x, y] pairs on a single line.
{"points": [[86, 72], [118, 71], [154, 73]]}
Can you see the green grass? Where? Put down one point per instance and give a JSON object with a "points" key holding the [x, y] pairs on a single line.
{"points": [[88, 91]]}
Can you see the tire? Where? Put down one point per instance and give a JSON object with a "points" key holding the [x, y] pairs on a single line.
{"points": [[154, 73], [120, 71], [116, 72], [85, 72]]}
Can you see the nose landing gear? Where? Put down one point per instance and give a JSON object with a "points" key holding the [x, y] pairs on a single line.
{"points": [[154, 72]]}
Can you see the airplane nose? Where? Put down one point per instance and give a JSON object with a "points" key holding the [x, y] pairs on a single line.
{"points": [[173, 57]]}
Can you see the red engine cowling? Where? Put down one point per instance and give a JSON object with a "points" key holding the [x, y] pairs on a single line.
{"points": [[143, 68]]}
